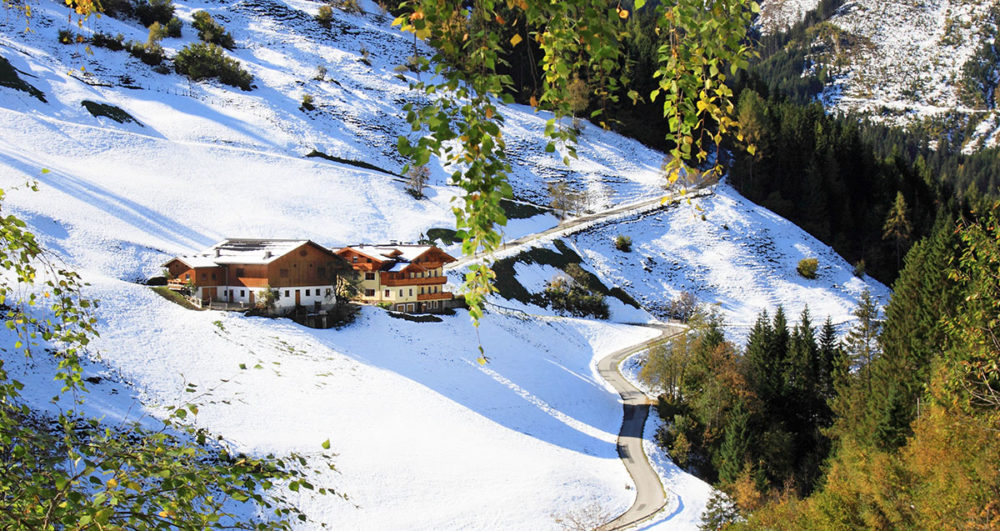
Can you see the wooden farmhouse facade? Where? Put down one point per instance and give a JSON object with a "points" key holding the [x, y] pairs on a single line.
{"points": [[405, 278], [240, 272]]}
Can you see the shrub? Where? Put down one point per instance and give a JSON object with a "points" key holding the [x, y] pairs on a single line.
{"points": [[120, 9], [152, 11], [157, 32], [320, 73], [807, 267], [859, 269], [103, 40], [201, 61], [567, 296], [416, 179], [151, 54], [325, 16], [366, 56], [307, 103], [349, 6], [174, 27], [683, 307], [623, 243], [67, 37], [211, 31]]}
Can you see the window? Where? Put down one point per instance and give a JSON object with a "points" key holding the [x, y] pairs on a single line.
{"points": [[400, 293], [354, 259], [307, 293], [303, 252], [421, 290], [203, 276], [369, 276], [411, 292], [187, 276], [369, 260], [386, 293], [243, 293], [240, 272], [286, 293], [369, 293], [283, 273], [213, 276]]}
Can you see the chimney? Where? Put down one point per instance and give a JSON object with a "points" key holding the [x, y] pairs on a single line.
{"points": [[267, 254], [217, 252]]}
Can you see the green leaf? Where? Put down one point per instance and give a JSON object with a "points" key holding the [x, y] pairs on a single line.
{"points": [[326, 444]]}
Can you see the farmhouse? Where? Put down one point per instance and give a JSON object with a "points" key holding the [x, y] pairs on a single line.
{"points": [[239, 272], [405, 278]]}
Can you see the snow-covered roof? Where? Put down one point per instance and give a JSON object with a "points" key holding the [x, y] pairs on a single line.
{"points": [[242, 251], [404, 252]]}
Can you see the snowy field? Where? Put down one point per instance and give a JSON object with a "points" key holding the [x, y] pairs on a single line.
{"points": [[426, 438]]}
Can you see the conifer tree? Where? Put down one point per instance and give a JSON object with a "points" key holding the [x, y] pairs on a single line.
{"points": [[897, 225]]}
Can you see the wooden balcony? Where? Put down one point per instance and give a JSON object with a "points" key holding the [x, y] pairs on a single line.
{"points": [[401, 282], [176, 283], [442, 296]]}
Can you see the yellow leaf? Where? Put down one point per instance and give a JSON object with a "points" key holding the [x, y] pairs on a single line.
{"points": [[112, 483], [623, 13], [533, 101], [752, 150], [423, 34], [515, 40], [481, 360], [399, 20]]}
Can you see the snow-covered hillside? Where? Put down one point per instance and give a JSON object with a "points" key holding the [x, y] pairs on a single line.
{"points": [[777, 15], [425, 437]]}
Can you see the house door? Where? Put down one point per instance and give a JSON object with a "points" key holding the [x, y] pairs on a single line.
{"points": [[231, 295], [298, 298], [409, 307], [251, 297], [208, 294]]}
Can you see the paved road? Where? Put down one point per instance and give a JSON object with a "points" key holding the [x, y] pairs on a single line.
{"points": [[650, 497], [578, 224]]}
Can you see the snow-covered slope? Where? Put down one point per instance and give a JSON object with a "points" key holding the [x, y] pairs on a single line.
{"points": [[777, 15], [906, 55], [426, 438]]}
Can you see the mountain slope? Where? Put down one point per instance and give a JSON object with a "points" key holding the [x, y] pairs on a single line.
{"points": [[426, 437]]}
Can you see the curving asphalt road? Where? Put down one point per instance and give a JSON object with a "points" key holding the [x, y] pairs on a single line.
{"points": [[650, 496]]}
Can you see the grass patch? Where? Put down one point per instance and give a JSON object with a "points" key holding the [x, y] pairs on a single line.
{"points": [[516, 210], [115, 113], [564, 259], [174, 297], [9, 78], [355, 163]]}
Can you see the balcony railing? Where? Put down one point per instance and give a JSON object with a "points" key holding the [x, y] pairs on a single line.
{"points": [[426, 281], [176, 283], [442, 296]]}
